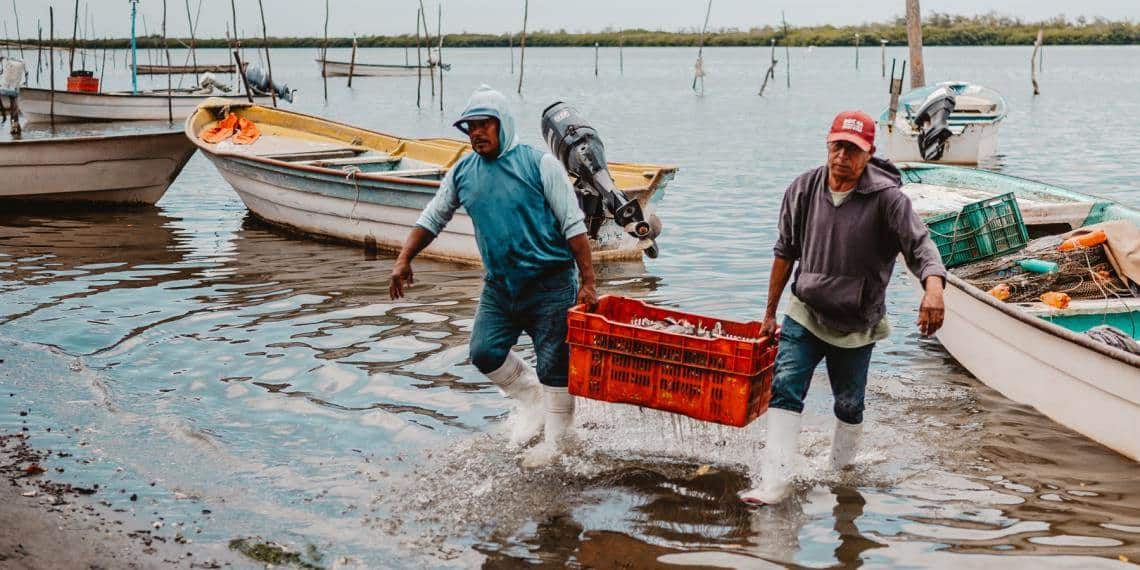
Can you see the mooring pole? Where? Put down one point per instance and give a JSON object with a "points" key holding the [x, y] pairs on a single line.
{"points": [[427, 42], [325, 53], [439, 32], [856, 52], [51, 67], [74, 34], [596, 59], [914, 41], [621, 54], [352, 63], [166, 48], [522, 45], [1033, 60], [268, 63], [419, 64], [883, 60], [134, 48]]}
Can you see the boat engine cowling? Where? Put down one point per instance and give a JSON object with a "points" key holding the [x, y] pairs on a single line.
{"points": [[259, 80], [577, 145], [933, 123]]}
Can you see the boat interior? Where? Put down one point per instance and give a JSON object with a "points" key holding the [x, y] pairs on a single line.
{"points": [[1100, 288], [305, 141]]}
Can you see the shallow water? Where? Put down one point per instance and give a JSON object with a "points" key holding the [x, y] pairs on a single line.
{"points": [[269, 380]]}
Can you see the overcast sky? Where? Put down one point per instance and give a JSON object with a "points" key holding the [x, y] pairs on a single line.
{"points": [[365, 17]]}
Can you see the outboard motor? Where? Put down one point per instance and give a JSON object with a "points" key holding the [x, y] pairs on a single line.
{"points": [[933, 122], [259, 80], [578, 146]]}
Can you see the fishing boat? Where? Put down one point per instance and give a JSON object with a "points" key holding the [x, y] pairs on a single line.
{"points": [[185, 69], [332, 68], [1031, 352], [953, 122], [337, 181], [37, 105], [133, 168]]}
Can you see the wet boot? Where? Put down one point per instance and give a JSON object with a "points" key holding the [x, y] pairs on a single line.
{"points": [[779, 460], [844, 444], [559, 406], [519, 382]]}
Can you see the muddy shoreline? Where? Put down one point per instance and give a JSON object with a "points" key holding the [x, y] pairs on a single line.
{"points": [[48, 524]]}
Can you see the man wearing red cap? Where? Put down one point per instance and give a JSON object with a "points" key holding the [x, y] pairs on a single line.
{"points": [[842, 225]]}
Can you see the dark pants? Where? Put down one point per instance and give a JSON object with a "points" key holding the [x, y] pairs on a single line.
{"points": [[539, 310], [799, 355]]}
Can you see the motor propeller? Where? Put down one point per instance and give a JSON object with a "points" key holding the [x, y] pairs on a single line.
{"points": [[577, 145]]}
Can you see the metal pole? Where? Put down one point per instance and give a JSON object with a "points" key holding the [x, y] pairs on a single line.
{"points": [[134, 49]]}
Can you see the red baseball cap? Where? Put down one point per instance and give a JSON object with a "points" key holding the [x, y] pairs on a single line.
{"points": [[853, 126]]}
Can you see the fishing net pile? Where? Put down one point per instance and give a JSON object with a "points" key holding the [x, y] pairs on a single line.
{"points": [[1083, 273]]}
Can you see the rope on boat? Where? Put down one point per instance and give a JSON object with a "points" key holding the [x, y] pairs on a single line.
{"points": [[351, 173]]}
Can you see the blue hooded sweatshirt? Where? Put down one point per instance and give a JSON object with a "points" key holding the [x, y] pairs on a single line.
{"points": [[522, 204]]}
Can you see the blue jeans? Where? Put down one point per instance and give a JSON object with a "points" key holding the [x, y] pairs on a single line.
{"points": [[540, 310], [799, 355]]}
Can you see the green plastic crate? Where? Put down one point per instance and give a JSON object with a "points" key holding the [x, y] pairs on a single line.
{"points": [[981, 230]]}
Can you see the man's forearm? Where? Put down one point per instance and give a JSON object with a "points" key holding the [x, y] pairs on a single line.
{"points": [[418, 239], [781, 272], [580, 247]]}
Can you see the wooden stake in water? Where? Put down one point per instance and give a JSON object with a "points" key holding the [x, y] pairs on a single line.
{"points": [[419, 64], [856, 52], [268, 63], [169, 88], [439, 32], [771, 73], [511, 49], [352, 63], [51, 66], [427, 42], [596, 59], [39, 50], [325, 53], [787, 52], [522, 45], [1033, 60], [18, 42], [699, 67], [883, 59], [621, 54], [193, 42], [244, 79], [74, 34], [914, 41], [240, 69]]}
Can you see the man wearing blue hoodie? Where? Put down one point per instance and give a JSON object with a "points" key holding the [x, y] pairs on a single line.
{"points": [[531, 234]]}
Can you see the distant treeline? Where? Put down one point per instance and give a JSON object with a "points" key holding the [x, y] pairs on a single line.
{"points": [[937, 30]]}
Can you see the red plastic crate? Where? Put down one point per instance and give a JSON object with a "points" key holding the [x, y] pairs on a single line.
{"points": [[83, 84], [711, 379]]}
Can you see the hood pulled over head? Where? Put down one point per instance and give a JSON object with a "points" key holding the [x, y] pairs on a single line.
{"points": [[487, 102]]}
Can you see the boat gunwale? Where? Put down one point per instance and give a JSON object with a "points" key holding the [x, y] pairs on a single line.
{"points": [[86, 138], [662, 171], [141, 94]]}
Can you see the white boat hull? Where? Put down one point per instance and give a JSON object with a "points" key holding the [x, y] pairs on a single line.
{"points": [[286, 202], [121, 169], [975, 143], [1082, 386], [36, 106]]}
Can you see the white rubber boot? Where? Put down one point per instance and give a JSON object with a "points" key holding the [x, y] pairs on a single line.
{"points": [[559, 406], [779, 459], [519, 382], [845, 443]]}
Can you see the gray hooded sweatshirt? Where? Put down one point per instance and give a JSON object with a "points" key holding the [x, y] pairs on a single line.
{"points": [[845, 255]]}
